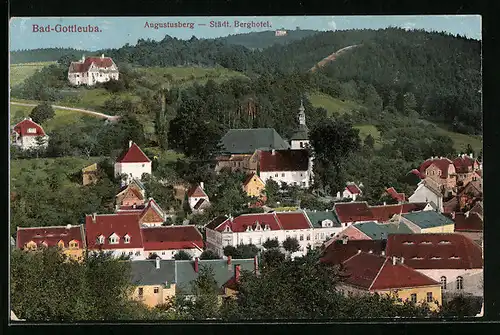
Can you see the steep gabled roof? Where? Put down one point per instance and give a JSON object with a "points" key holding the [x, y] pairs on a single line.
{"points": [[436, 251], [252, 176], [464, 163], [477, 208], [216, 222], [171, 238], [292, 221], [196, 192], [471, 222], [338, 252], [284, 160], [22, 128], [133, 154], [50, 235], [441, 163], [100, 62], [246, 141], [201, 204], [240, 223], [395, 195], [119, 224], [156, 213], [353, 188], [373, 272], [353, 211]]}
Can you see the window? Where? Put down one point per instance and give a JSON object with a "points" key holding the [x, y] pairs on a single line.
{"points": [[100, 240], [429, 297], [303, 183], [73, 245], [308, 237], [143, 165], [141, 291], [137, 253], [413, 298], [163, 252], [260, 240], [113, 239], [460, 283], [302, 175], [317, 236], [78, 76], [322, 235], [302, 237], [126, 239], [276, 175], [130, 253], [282, 174], [156, 290]]}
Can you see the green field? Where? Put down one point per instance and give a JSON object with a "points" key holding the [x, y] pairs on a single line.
{"points": [[62, 117], [332, 105], [461, 140], [185, 76], [368, 129], [19, 72]]}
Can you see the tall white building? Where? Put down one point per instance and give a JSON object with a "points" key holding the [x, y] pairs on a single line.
{"points": [[300, 138], [132, 163], [92, 70]]}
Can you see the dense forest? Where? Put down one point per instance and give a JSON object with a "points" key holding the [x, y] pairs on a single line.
{"points": [[264, 39], [43, 55]]}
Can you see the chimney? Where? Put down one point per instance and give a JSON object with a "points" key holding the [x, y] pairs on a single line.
{"points": [[202, 185], [402, 260], [237, 271], [130, 143], [196, 266], [394, 260], [385, 203], [94, 217], [157, 262], [228, 260], [255, 263], [273, 152]]}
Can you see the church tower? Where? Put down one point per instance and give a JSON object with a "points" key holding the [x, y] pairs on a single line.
{"points": [[300, 138]]}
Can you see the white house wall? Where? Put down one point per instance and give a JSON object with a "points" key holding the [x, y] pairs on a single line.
{"points": [[169, 254], [423, 194], [194, 200], [29, 142], [132, 170], [472, 280], [288, 177]]}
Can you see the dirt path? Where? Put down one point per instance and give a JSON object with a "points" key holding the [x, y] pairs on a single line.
{"points": [[332, 57], [86, 111]]}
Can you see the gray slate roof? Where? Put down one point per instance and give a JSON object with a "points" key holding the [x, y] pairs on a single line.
{"points": [[428, 219], [316, 217], [302, 133], [146, 273], [246, 141]]}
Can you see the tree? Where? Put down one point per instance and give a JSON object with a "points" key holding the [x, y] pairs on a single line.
{"points": [[42, 113], [182, 255], [230, 250], [209, 254], [291, 245], [268, 244], [271, 190], [409, 103], [272, 258], [369, 141], [372, 99], [461, 306]]}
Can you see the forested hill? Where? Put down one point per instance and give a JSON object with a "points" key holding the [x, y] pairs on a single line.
{"points": [[44, 55], [265, 39]]}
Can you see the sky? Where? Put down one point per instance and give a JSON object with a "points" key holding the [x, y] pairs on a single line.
{"points": [[114, 32]]}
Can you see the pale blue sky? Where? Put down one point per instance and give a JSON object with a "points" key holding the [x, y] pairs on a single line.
{"points": [[116, 31]]}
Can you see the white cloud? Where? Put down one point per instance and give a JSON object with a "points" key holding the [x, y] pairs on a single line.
{"points": [[409, 25], [332, 25]]}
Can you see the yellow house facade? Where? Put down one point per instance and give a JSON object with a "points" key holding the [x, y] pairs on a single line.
{"points": [[254, 186], [424, 294], [89, 174], [153, 295]]}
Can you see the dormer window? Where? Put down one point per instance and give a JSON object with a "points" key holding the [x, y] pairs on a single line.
{"points": [[60, 244], [126, 239], [408, 243], [454, 257], [266, 227], [31, 130], [113, 239], [248, 228], [435, 258], [425, 242], [100, 240], [227, 229], [417, 258], [444, 242], [73, 245]]}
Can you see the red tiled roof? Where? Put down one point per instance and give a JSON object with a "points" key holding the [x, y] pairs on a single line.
{"points": [[196, 192], [284, 160], [468, 222], [353, 211], [128, 210], [79, 67], [353, 189], [106, 225], [475, 187], [291, 221], [479, 173], [22, 128], [159, 214], [240, 223], [337, 252], [477, 208], [171, 238], [133, 154], [417, 173], [441, 163], [464, 164], [395, 195], [431, 251], [373, 272], [384, 213], [50, 235]]}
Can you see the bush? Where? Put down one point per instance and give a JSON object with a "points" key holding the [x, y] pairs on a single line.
{"points": [[268, 244], [209, 254], [42, 113], [182, 255]]}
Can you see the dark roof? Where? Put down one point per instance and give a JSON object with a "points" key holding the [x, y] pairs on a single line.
{"points": [[468, 222], [337, 252], [216, 222], [316, 217], [196, 192], [145, 272], [284, 160], [353, 211], [201, 204], [477, 208], [171, 238], [246, 141], [380, 231], [436, 251], [50, 235], [427, 219], [373, 272], [302, 133]]}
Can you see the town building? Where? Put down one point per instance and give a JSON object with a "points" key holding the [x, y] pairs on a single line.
{"points": [[325, 224], [132, 163], [341, 250], [292, 167], [156, 281], [254, 186], [442, 171], [29, 135], [371, 273], [428, 191], [465, 167], [470, 224], [90, 175], [92, 70], [427, 222], [351, 191], [246, 141], [197, 198], [373, 230], [131, 197], [452, 259], [71, 239], [165, 242], [300, 137], [246, 163], [152, 215]]}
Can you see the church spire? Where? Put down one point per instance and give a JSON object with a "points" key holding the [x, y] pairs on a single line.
{"points": [[302, 114]]}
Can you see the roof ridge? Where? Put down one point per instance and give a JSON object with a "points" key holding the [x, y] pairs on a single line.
{"points": [[65, 227], [379, 271]]}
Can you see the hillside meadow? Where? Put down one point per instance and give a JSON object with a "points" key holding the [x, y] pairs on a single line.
{"points": [[19, 72]]}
